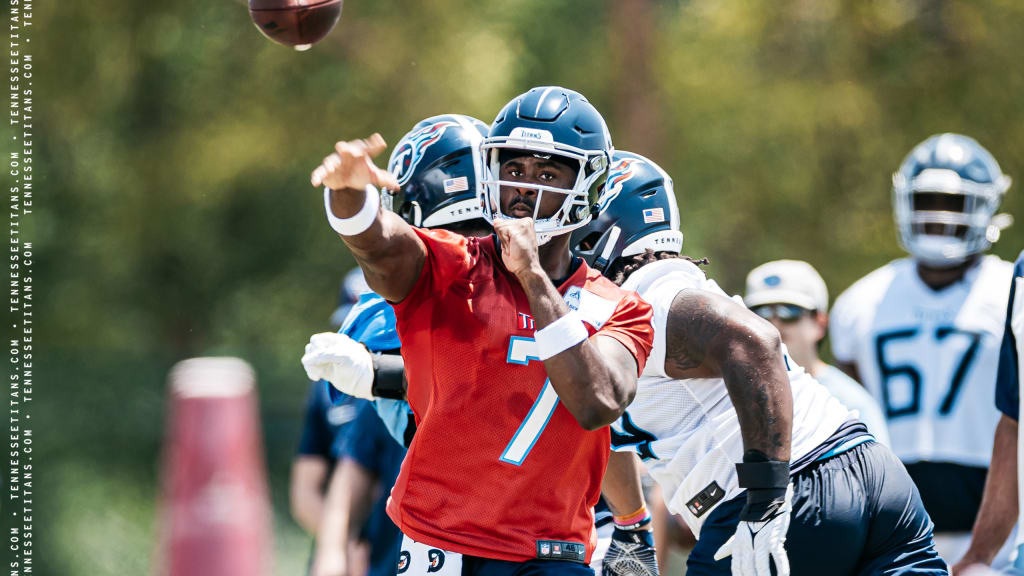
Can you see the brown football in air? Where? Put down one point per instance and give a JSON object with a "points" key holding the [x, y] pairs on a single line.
{"points": [[297, 23]]}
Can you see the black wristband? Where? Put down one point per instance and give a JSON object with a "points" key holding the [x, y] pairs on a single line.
{"points": [[388, 376], [766, 482], [763, 475]]}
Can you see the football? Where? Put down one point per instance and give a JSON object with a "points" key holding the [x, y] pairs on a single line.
{"points": [[296, 23]]}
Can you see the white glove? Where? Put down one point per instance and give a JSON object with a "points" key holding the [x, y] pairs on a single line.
{"points": [[755, 542], [342, 361]]}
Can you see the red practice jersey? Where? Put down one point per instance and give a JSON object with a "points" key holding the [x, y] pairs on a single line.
{"points": [[497, 463]]}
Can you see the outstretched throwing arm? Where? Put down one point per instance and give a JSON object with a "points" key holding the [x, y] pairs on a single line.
{"points": [[386, 247]]}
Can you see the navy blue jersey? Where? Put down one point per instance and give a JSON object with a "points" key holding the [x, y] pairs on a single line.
{"points": [[1007, 387], [324, 419], [368, 443]]}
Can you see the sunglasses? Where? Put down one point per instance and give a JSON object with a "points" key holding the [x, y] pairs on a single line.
{"points": [[786, 313]]}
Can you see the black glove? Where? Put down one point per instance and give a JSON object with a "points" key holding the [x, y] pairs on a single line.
{"points": [[631, 553]]}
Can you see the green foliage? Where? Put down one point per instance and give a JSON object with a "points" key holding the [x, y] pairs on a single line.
{"points": [[175, 145]]}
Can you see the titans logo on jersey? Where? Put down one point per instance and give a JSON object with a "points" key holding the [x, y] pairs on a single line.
{"points": [[928, 356], [410, 150]]}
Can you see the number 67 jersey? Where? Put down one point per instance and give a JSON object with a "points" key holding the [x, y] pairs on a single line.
{"points": [[928, 356]]}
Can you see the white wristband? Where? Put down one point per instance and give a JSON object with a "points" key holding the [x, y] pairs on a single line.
{"points": [[560, 335], [362, 220]]}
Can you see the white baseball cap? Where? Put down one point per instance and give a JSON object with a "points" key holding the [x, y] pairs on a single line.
{"points": [[786, 282]]}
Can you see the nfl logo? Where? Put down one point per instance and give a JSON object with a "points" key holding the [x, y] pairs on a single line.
{"points": [[545, 549], [572, 300]]}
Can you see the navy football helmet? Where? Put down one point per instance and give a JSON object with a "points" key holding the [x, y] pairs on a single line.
{"points": [[437, 165], [549, 121], [637, 211], [945, 196]]}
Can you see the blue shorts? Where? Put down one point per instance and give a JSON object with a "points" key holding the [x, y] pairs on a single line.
{"points": [[855, 513]]}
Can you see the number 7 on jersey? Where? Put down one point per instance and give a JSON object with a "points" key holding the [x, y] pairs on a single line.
{"points": [[522, 351]]}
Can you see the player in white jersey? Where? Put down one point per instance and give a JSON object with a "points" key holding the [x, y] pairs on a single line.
{"points": [[758, 458], [923, 333]]}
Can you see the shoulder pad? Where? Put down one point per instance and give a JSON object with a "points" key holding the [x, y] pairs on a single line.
{"points": [[372, 321]]}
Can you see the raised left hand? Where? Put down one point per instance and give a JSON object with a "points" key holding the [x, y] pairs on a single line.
{"points": [[518, 245], [351, 166]]}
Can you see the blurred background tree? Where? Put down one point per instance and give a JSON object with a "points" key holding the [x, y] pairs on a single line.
{"points": [[174, 216]]}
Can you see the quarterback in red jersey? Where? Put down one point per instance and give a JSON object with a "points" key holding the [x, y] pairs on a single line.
{"points": [[517, 355]]}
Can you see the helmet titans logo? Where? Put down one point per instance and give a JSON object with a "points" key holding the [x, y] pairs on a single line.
{"points": [[618, 174], [410, 150]]}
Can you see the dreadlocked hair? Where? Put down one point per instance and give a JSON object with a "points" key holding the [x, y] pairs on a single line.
{"points": [[624, 266]]}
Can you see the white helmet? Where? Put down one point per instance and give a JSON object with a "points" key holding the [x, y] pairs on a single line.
{"points": [[968, 184]]}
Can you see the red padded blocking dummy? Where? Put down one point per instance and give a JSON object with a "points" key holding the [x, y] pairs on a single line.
{"points": [[215, 510]]}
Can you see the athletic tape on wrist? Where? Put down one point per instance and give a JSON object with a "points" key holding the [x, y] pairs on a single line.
{"points": [[560, 335], [361, 221]]}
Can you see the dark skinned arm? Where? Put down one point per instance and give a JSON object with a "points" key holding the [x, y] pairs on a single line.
{"points": [[621, 486], [595, 379], [711, 336], [389, 252], [998, 512]]}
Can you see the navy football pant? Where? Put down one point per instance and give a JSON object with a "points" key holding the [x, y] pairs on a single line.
{"points": [[472, 566], [857, 513], [418, 559]]}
